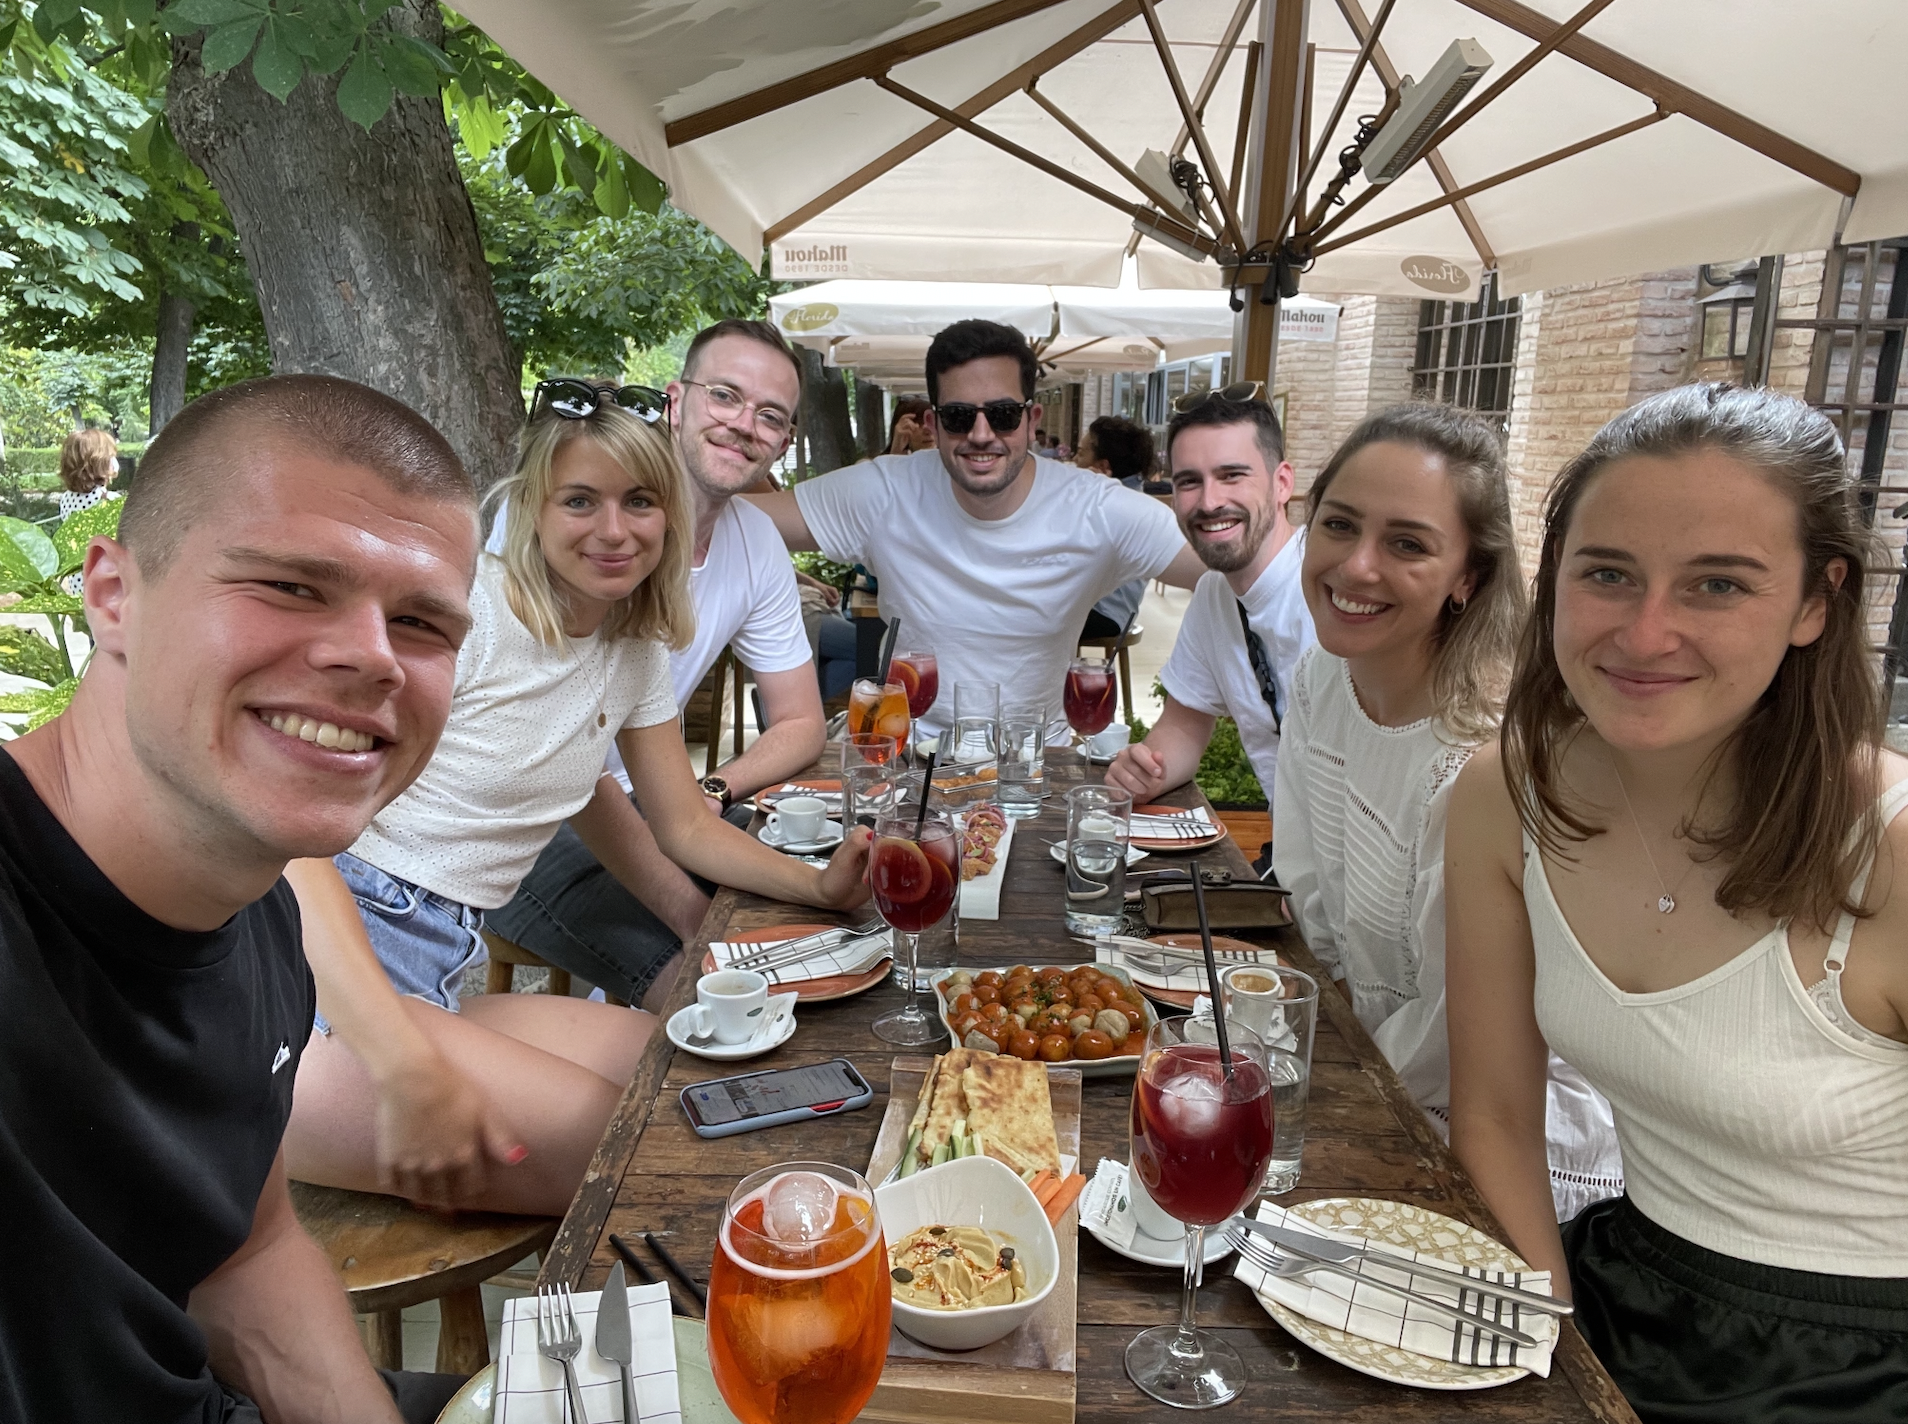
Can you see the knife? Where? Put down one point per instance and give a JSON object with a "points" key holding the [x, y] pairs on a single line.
{"points": [[612, 1334], [1339, 1253]]}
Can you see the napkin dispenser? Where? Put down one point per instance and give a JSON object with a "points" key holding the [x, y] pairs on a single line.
{"points": [[1243, 905]]}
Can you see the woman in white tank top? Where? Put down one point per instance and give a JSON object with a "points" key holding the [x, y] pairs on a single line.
{"points": [[1682, 871]]}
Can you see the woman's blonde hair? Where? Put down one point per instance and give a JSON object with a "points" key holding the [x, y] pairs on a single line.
{"points": [[659, 606], [88, 460], [1476, 640]]}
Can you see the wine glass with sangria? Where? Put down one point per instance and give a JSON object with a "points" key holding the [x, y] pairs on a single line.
{"points": [[1200, 1140], [919, 672], [799, 1302], [915, 872], [1089, 696]]}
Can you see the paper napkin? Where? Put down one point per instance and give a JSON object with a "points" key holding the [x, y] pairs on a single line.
{"points": [[530, 1387]]}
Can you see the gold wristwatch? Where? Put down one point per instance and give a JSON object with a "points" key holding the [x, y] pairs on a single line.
{"points": [[715, 786]]}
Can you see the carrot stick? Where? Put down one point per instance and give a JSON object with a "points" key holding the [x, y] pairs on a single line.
{"points": [[1057, 1204], [1044, 1193], [1041, 1180]]}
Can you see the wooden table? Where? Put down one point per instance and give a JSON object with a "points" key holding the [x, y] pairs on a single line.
{"points": [[1364, 1136]]}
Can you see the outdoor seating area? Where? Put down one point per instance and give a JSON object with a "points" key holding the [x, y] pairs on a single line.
{"points": [[1023, 710]]}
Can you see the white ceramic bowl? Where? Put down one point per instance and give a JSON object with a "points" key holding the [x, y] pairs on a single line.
{"points": [[972, 1191]]}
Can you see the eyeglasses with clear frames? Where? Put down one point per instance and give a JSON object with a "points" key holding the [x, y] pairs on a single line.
{"points": [[769, 420]]}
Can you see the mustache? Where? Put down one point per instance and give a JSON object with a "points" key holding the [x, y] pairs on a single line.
{"points": [[1228, 511]]}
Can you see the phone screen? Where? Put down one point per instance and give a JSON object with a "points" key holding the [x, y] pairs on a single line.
{"points": [[760, 1094]]}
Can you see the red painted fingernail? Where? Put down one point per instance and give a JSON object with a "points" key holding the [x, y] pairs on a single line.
{"points": [[517, 1154]]}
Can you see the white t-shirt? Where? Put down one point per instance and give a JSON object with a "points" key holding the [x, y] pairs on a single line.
{"points": [[995, 600], [1210, 670], [520, 755]]}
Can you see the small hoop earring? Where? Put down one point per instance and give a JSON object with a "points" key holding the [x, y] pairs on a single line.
{"points": [[1458, 605]]}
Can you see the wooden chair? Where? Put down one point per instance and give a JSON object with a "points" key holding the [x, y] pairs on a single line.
{"points": [[1105, 645], [392, 1255], [730, 665], [500, 977]]}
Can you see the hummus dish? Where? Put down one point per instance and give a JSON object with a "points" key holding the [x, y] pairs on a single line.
{"points": [[955, 1268]]}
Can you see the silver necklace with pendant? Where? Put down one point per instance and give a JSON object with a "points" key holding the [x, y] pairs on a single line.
{"points": [[601, 682], [1666, 902]]}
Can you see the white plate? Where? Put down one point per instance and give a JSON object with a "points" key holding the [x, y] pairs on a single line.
{"points": [[1151, 1251], [1134, 855], [778, 1034], [1415, 1229], [1122, 1066], [830, 837]]}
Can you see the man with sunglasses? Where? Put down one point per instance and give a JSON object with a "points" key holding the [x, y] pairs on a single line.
{"points": [[990, 557], [732, 413], [1247, 623]]}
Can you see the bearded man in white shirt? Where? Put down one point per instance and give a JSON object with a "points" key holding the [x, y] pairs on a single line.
{"points": [[732, 413], [1247, 624], [990, 554]]}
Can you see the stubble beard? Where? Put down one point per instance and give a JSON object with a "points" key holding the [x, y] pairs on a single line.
{"points": [[706, 481], [1232, 555], [1010, 470]]}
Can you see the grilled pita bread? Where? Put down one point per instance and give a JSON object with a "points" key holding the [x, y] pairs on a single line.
{"points": [[1008, 1104], [919, 1120], [946, 1107]]}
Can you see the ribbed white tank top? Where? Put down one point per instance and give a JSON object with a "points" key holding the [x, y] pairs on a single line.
{"points": [[1751, 1122]]}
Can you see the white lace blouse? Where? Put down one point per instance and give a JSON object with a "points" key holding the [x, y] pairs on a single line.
{"points": [[1358, 821]]}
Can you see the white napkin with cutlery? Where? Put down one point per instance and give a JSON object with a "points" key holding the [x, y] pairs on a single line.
{"points": [[1363, 1310], [1193, 824], [1177, 972], [530, 1387], [834, 956]]}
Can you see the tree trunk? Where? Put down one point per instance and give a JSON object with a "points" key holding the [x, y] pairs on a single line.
{"points": [[171, 341], [831, 438], [871, 414], [363, 247]]}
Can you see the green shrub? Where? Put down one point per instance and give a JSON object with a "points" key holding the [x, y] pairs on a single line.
{"points": [[818, 566]]}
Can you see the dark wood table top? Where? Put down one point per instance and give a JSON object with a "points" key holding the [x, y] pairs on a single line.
{"points": [[1365, 1136]]}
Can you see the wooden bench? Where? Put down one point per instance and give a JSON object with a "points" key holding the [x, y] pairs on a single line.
{"points": [[392, 1255]]}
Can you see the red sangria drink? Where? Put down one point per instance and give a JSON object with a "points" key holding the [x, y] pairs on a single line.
{"points": [[915, 872], [919, 674], [1201, 1136], [1089, 696]]}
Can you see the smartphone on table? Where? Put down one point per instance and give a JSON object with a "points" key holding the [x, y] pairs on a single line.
{"points": [[722, 1107]]}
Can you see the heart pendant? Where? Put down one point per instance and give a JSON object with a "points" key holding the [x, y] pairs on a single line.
{"points": [[1666, 904]]}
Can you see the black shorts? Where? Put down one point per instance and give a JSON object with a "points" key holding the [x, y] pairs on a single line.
{"points": [[1695, 1337]]}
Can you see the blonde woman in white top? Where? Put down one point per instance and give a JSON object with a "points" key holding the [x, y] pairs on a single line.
{"points": [[498, 1103], [1411, 576], [1684, 872]]}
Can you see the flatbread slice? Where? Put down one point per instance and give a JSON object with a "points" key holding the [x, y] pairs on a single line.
{"points": [[948, 1106], [919, 1120], [1009, 1105]]}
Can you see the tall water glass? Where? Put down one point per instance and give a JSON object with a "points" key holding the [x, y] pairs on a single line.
{"points": [[1200, 1140], [1023, 761], [976, 699], [868, 791], [967, 772], [799, 1303], [1099, 825], [1281, 1006]]}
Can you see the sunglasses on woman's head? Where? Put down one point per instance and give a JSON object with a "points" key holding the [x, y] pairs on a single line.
{"points": [[579, 400], [1236, 392], [1003, 416]]}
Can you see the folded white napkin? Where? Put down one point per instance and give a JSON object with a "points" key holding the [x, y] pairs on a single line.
{"points": [[1104, 1205], [1182, 975], [530, 1387], [1363, 1310], [980, 897], [833, 956], [1193, 824], [830, 794]]}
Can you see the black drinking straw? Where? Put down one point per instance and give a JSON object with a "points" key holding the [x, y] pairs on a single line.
{"points": [[1125, 633], [1212, 970], [888, 641], [927, 785]]}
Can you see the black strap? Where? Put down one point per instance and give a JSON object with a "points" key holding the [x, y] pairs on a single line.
{"points": [[1261, 666]]}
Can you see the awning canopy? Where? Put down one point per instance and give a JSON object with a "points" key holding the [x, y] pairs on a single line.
{"points": [[1648, 133]]}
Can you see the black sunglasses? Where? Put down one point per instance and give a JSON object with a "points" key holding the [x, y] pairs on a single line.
{"points": [[579, 400], [1003, 416], [1236, 392]]}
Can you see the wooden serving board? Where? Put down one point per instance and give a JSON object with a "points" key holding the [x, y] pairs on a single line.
{"points": [[1028, 1378]]}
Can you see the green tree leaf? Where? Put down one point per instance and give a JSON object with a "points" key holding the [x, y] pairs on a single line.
{"points": [[26, 653], [27, 556], [540, 173], [364, 93], [276, 66], [79, 530], [227, 46], [198, 13], [413, 66], [59, 13], [647, 192]]}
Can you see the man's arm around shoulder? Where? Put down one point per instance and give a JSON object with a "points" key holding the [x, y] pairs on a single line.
{"points": [[789, 523]]}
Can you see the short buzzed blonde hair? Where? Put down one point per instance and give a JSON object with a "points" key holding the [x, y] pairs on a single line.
{"points": [[659, 606]]}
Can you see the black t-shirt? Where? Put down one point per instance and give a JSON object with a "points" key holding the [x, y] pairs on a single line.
{"points": [[145, 1081]]}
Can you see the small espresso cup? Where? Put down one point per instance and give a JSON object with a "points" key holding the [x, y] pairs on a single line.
{"points": [[729, 1005], [798, 820], [1108, 741], [1147, 1214]]}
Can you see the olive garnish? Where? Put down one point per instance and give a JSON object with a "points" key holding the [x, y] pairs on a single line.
{"points": [[937, 1231], [947, 1251], [1006, 1257], [903, 1275]]}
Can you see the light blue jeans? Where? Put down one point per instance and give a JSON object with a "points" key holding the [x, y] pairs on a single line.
{"points": [[424, 940]]}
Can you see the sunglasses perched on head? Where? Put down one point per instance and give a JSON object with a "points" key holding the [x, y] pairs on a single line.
{"points": [[1003, 416], [579, 400], [1236, 392]]}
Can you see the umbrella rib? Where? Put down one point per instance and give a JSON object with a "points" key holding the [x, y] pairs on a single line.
{"points": [[1222, 52]]}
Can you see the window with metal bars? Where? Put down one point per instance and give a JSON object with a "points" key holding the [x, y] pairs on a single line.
{"points": [[1467, 352]]}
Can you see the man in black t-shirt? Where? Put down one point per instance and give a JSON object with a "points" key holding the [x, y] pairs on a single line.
{"points": [[276, 631]]}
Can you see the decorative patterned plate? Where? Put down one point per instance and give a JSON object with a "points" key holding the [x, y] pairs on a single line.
{"points": [[807, 991], [1415, 1229], [1160, 809]]}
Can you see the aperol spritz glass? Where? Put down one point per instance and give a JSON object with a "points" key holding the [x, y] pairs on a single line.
{"points": [[799, 1302], [879, 707], [915, 872], [1089, 696]]}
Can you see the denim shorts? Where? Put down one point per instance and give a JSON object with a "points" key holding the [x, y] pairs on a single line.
{"points": [[424, 940]]}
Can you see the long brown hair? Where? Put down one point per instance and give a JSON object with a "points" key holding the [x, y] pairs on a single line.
{"points": [[1474, 640], [1803, 822]]}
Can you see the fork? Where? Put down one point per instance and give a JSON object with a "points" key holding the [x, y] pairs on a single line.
{"points": [[1276, 1263], [559, 1339], [767, 956]]}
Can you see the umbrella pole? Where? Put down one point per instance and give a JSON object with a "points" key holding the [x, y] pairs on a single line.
{"points": [[1271, 164]]}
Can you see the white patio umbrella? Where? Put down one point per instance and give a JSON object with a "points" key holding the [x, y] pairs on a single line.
{"points": [[1706, 129]]}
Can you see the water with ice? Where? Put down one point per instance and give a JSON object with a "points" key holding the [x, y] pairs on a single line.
{"points": [[799, 1208], [1290, 1082]]}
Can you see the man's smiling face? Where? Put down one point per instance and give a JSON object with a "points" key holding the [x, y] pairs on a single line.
{"points": [[984, 461]]}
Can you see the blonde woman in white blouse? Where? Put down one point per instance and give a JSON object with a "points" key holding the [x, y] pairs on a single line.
{"points": [[1411, 576]]}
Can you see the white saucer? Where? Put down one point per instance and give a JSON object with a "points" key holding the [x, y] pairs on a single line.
{"points": [[1151, 1251], [830, 837], [1134, 855], [779, 1033]]}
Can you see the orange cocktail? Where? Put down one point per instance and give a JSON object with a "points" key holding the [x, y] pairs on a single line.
{"points": [[879, 707], [799, 1300]]}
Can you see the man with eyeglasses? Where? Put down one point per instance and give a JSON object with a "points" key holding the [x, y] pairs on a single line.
{"points": [[990, 556], [732, 413], [1247, 624]]}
